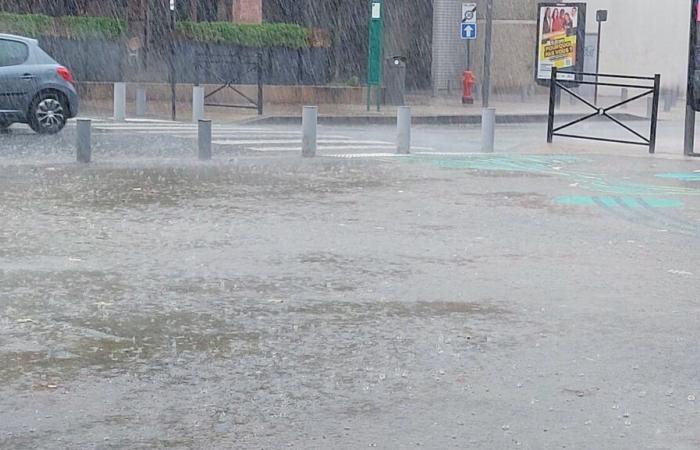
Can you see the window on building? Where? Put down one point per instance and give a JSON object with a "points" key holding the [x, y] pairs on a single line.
{"points": [[12, 53]]}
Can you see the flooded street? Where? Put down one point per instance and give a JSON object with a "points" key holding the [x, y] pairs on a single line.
{"points": [[269, 302]]}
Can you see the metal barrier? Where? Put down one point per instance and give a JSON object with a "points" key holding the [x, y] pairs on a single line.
{"points": [[204, 60], [557, 85]]}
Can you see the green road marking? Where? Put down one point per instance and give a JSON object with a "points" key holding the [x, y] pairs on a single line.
{"points": [[694, 176], [619, 202], [556, 166]]}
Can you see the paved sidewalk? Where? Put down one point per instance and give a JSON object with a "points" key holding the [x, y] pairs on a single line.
{"points": [[425, 110]]}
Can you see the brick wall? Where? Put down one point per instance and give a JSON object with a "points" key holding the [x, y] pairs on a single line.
{"points": [[247, 11]]}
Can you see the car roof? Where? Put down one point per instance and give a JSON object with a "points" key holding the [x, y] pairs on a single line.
{"points": [[26, 40]]}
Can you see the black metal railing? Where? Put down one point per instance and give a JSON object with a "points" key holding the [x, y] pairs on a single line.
{"points": [[557, 85], [236, 69]]}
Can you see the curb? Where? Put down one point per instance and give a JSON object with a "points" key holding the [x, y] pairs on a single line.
{"points": [[472, 119]]}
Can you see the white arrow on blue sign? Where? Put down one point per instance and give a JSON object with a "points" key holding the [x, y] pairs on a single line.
{"points": [[469, 31]]}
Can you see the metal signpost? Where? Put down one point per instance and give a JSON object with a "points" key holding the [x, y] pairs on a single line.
{"points": [[173, 81], [600, 17], [469, 30], [486, 87], [693, 89], [376, 51]]}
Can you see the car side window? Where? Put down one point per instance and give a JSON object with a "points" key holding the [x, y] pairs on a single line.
{"points": [[12, 53]]}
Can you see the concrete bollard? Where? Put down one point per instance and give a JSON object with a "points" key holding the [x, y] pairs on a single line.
{"points": [[141, 101], [204, 139], [309, 123], [403, 125], [488, 129], [84, 138], [120, 101], [197, 103]]}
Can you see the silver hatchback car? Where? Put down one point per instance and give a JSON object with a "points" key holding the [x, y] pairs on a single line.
{"points": [[34, 88]]}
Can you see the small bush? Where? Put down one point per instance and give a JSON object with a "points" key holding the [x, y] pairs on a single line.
{"points": [[247, 35]]}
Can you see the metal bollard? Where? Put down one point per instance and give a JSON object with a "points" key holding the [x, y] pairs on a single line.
{"points": [[624, 95], [650, 106], [141, 101], [197, 103], [120, 101], [309, 122], [204, 139], [403, 124], [488, 129], [83, 143]]}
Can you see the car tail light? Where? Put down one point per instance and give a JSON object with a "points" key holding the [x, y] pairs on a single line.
{"points": [[65, 74]]}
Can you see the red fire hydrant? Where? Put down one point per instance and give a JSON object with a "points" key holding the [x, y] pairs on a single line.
{"points": [[469, 81]]}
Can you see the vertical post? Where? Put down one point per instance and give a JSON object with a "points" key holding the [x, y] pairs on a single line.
{"points": [[624, 95], [197, 103], [403, 124], [260, 83], [204, 139], [689, 138], [309, 122], [552, 104], [597, 64], [173, 75], [486, 86], [488, 129], [83, 143], [141, 100], [654, 113], [120, 101]]}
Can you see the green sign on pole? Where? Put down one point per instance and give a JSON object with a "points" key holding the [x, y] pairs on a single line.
{"points": [[376, 50]]}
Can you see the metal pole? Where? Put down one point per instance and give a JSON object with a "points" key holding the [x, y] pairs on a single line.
{"points": [[309, 121], [173, 93], [655, 113], [488, 129], [689, 138], [486, 87], [83, 143], [204, 139], [120, 101], [260, 83], [469, 54], [403, 124], [597, 64], [552, 104]]}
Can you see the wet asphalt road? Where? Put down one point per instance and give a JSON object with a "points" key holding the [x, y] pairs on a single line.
{"points": [[265, 301]]}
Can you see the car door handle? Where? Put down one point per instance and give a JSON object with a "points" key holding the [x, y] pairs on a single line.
{"points": [[27, 76]]}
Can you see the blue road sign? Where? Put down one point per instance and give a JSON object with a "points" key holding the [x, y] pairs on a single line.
{"points": [[469, 31]]}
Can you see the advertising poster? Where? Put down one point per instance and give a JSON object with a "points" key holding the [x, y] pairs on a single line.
{"points": [[561, 32]]}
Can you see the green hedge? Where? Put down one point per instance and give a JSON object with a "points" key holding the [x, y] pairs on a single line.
{"points": [[93, 27], [83, 27], [262, 35], [30, 25], [37, 25]]}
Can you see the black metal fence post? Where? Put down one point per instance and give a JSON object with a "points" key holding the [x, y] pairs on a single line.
{"points": [[654, 113], [260, 83], [552, 104]]}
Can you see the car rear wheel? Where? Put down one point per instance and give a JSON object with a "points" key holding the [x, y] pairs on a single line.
{"points": [[48, 113]]}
